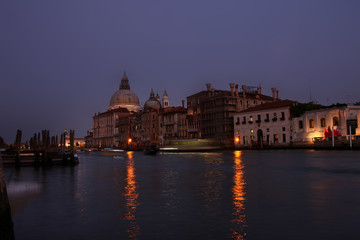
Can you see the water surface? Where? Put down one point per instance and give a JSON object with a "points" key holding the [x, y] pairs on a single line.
{"points": [[222, 195]]}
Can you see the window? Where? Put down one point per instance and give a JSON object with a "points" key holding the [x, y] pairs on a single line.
{"points": [[283, 128], [284, 138], [282, 116], [258, 118], [274, 117], [301, 124], [276, 138], [267, 117], [335, 121], [322, 122], [311, 123]]}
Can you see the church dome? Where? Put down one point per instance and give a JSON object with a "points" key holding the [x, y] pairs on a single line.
{"points": [[124, 97], [152, 102]]}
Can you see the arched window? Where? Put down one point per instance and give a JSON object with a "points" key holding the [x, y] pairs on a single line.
{"points": [[301, 124], [335, 121], [311, 123], [322, 122]]}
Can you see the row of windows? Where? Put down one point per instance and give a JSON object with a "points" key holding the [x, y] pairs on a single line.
{"points": [[267, 140], [322, 123], [274, 118]]}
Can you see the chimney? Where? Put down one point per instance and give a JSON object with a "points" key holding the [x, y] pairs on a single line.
{"points": [[232, 88], [277, 94], [183, 103], [243, 89], [213, 92], [259, 90], [208, 87], [236, 90], [273, 92]]}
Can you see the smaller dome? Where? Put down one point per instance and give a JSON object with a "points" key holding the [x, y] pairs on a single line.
{"points": [[152, 102]]}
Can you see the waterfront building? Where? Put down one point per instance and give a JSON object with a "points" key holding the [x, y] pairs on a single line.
{"points": [[310, 126], [210, 112], [172, 124], [263, 125], [122, 103], [150, 120], [89, 139]]}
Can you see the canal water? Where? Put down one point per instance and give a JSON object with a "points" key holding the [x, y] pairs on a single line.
{"points": [[222, 195]]}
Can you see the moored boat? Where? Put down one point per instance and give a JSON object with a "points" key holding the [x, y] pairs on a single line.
{"points": [[112, 151]]}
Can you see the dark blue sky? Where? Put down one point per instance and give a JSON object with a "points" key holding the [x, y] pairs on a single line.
{"points": [[60, 61]]}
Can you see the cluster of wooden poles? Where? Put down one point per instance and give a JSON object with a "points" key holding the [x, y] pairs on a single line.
{"points": [[46, 147]]}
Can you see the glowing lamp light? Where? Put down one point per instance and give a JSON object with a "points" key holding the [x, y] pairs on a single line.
{"points": [[129, 140], [237, 139]]}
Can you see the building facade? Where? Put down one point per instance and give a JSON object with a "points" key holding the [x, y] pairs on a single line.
{"points": [[210, 113], [312, 125], [172, 124], [264, 125]]}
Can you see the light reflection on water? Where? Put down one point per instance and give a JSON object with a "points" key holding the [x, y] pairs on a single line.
{"points": [[216, 195], [131, 197], [239, 198]]}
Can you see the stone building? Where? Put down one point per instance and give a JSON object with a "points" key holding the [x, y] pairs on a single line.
{"points": [[312, 125], [172, 124], [150, 120], [210, 112], [122, 103], [266, 124]]}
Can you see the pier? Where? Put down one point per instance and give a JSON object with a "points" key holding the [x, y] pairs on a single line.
{"points": [[42, 150]]}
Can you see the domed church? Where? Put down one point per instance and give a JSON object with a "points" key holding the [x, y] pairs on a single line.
{"points": [[122, 103], [124, 97]]}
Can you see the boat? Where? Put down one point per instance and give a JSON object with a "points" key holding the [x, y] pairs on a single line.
{"points": [[192, 145], [151, 150], [112, 151]]}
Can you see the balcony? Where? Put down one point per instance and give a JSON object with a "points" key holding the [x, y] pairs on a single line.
{"points": [[250, 122], [266, 120], [282, 119], [274, 119], [258, 121]]}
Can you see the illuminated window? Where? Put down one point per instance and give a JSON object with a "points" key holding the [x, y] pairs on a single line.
{"points": [[276, 138], [251, 130], [335, 121], [301, 124], [322, 122], [311, 123]]}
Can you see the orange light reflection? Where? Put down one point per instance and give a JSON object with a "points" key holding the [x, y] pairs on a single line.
{"points": [[238, 198], [131, 197]]}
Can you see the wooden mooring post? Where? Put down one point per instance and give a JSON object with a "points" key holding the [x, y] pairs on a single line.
{"points": [[72, 157], [6, 223], [17, 147]]}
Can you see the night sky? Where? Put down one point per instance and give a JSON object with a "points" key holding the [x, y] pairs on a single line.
{"points": [[61, 61]]}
